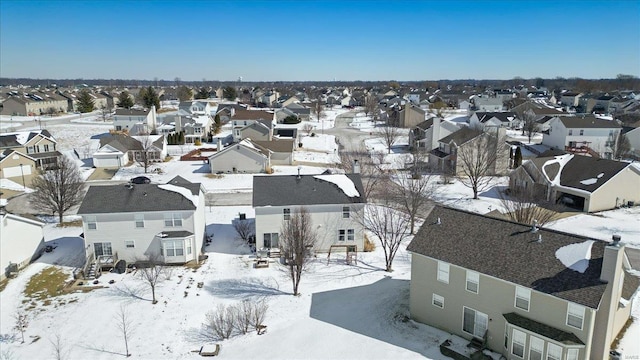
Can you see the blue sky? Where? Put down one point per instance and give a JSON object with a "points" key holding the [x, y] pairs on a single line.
{"points": [[313, 40]]}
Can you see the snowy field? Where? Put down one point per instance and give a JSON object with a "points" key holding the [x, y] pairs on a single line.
{"points": [[345, 311]]}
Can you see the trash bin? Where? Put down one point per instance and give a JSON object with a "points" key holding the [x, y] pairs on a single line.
{"points": [[615, 355]]}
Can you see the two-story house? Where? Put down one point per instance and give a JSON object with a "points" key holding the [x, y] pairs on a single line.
{"points": [[426, 134], [481, 119], [33, 103], [410, 116], [519, 290], [335, 202], [135, 122], [23, 153], [22, 242], [132, 222], [254, 124], [582, 134], [487, 104]]}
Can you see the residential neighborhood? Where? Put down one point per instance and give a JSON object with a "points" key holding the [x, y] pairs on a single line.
{"points": [[319, 202]]}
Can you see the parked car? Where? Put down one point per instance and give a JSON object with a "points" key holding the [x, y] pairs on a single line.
{"points": [[140, 180]]}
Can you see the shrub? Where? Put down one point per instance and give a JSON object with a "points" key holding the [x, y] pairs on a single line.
{"points": [[291, 119], [313, 134], [197, 142], [369, 245]]}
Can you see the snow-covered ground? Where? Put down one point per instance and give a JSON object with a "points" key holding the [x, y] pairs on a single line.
{"points": [[325, 318]]}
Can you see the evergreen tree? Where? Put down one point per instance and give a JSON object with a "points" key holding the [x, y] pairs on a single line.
{"points": [[124, 100], [181, 139], [203, 93], [217, 124], [517, 158], [85, 102], [229, 93], [150, 98]]}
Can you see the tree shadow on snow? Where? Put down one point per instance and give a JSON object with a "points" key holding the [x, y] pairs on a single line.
{"points": [[381, 312], [224, 240], [494, 192], [243, 289]]}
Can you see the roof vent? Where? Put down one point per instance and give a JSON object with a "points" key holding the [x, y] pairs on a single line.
{"points": [[438, 222], [534, 227], [299, 168], [539, 238], [616, 240], [129, 185]]}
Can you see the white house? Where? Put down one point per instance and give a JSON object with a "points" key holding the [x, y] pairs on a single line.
{"points": [[480, 119], [117, 150], [135, 121], [243, 157], [487, 104], [21, 241], [582, 134], [426, 135], [335, 202], [132, 222]]}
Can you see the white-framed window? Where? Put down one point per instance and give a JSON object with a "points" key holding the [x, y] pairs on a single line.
{"points": [[270, 240], [139, 219], [443, 272], [173, 247], [518, 341], [438, 301], [581, 132], [473, 281], [286, 214], [172, 219], [189, 247], [46, 147], [572, 354], [341, 234], [536, 348], [350, 235], [103, 249], [92, 224], [474, 322], [554, 352], [575, 315], [570, 132], [523, 298], [346, 212], [129, 244]]}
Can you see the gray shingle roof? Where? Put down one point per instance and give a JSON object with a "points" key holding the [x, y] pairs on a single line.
{"points": [[131, 112], [285, 190], [550, 332], [587, 122], [509, 251], [138, 198], [461, 136]]}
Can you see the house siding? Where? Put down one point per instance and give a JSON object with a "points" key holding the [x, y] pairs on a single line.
{"points": [[619, 190], [238, 159], [10, 168], [495, 298], [21, 241], [326, 219]]}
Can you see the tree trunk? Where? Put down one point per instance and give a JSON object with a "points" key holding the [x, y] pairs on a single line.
{"points": [[475, 193], [153, 295], [60, 216]]}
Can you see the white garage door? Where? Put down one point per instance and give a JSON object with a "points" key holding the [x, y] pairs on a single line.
{"points": [[16, 172]]}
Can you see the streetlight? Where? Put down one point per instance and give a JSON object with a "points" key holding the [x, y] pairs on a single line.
{"points": [[22, 173]]}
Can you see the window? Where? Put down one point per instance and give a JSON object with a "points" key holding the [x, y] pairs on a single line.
{"points": [[474, 322], [46, 147], [473, 281], [341, 234], [523, 297], [570, 132], [103, 249], [575, 315], [129, 244], [572, 354], [536, 348], [189, 247], [174, 248], [554, 352], [581, 132], [438, 301], [517, 343], [286, 213], [270, 240], [92, 224], [346, 212], [443, 272], [139, 218], [172, 219], [350, 235], [30, 149]]}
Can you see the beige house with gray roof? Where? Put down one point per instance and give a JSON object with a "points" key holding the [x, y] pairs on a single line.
{"points": [[522, 291]]}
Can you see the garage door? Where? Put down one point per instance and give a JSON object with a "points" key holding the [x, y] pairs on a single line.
{"points": [[15, 171]]}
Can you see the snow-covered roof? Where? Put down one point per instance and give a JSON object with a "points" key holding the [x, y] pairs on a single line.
{"points": [[182, 191], [342, 181], [576, 256]]}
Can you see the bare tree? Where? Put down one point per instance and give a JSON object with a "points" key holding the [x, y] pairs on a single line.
{"points": [[125, 325], [308, 128], [258, 314], [621, 146], [318, 109], [373, 177], [412, 192], [526, 206], [297, 238], [477, 161], [390, 226], [57, 188], [370, 105], [152, 272], [390, 135], [21, 323], [529, 124], [243, 316], [219, 323], [143, 154], [60, 351], [245, 229]]}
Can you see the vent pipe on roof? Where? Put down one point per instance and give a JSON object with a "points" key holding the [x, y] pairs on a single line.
{"points": [[438, 222], [534, 227], [616, 240], [299, 168], [356, 167], [539, 238]]}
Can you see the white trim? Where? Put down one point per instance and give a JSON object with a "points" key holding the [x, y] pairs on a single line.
{"points": [[440, 298]]}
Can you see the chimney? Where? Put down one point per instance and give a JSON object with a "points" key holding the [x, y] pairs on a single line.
{"points": [[356, 167], [612, 259], [219, 144], [438, 222]]}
